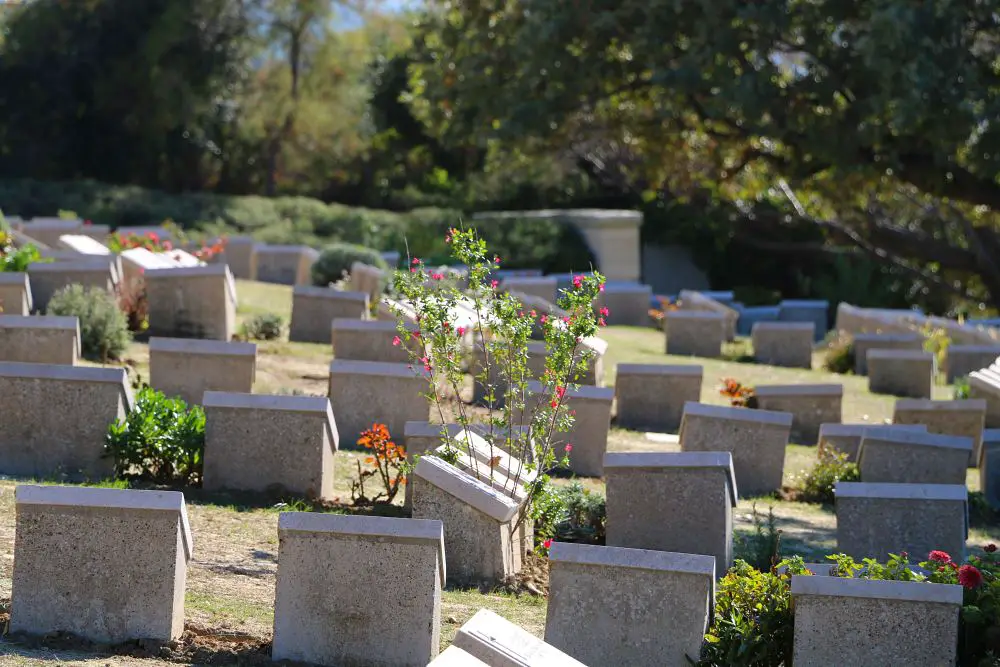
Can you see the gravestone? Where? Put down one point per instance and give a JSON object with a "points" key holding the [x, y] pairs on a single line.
{"points": [[751, 315], [241, 431], [806, 310], [694, 333], [366, 392], [788, 344], [965, 418], [864, 341], [903, 373], [846, 438], [962, 360], [984, 384], [47, 279], [86, 401], [364, 340], [480, 537], [495, 641], [456, 657], [588, 436], [594, 348], [989, 467], [368, 279], [616, 606], [108, 565], [871, 623], [651, 397], [668, 501], [196, 302], [188, 368], [334, 607], [48, 230], [82, 245], [40, 339], [810, 405], [285, 264], [15, 294], [878, 519], [628, 304], [755, 438], [315, 308], [701, 302], [540, 287], [914, 458], [240, 255]]}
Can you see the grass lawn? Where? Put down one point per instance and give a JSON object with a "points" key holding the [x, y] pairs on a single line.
{"points": [[230, 588]]}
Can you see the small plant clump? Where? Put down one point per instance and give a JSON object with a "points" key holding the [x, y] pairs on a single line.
{"points": [[267, 326], [832, 466], [104, 328], [390, 467], [16, 260], [569, 513], [839, 357], [961, 389]]}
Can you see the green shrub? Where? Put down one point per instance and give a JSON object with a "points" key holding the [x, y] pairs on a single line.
{"points": [[16, 260], [762, 547], [161, 440], [267, 326], [104, 330], [961, 391], [569, 514], [753, 621], [839, 354], [336, 259], [832, 466]]}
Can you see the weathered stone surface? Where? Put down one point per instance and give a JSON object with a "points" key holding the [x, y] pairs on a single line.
{"points": [[315, 308], [368, 279], [787, 344], [240, 255], [706, 301], [810, 405], [755, 438], [588, 437], [285, 264], [914, 458], [615, 606], [989, 467], [681, 502], [333, 607], [651, 397], [361, 340], [480, 538], [188, 367], [196, 302], [965, 418], [255, 443], [15, 294], [48, 230], [40, 339], [875, 341], [901, 373], [108, 565], [365, 392], [846, 438], [456, 657], [961, 360], [806, 310], [492, 639], [86, 401], [694, 333], [47, 279], [628, 303], [875, 520], [984, 384], [541, 287], [870, 623]]}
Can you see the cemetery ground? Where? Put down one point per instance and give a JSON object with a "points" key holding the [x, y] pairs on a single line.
{"points": [[231, 579]]}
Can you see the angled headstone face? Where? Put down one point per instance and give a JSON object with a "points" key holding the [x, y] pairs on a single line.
{"points": [[694, 333], [196, 302], [242, 436], [628, 303], [651, 397], [15, 294], [332, 607], [914, 458], [984, 384], [87, 400], [47, 279], [755, 438], [810, 405], [479, 521], [877, 519], [315, 308], [846, 438], [363, 393], [875, 341], [834, 618], [108, 565], [615, 606], [962, 360], [84, 245], [703, 302], [787, 344], [285, 264], [964, 418], [188, 368], [40, 339], [497, 642], [905, 373], [681, 502]]}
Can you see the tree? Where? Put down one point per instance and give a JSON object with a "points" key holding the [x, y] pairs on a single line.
{"points": [[873, 120]]}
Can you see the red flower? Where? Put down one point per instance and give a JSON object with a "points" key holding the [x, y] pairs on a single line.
{"points": [[87, 222], [494, 284], [577, 281], [554, 404], [437, 276], [560, 391], [547, 543], [970, 577], [939, 557], [990, 548], [605, 312], [543, 319], [601, 288], [460, 331], [396, 341], [416, 261], [569, 448]]}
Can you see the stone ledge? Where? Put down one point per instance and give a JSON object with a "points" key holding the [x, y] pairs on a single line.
{"points": [[288, 250], [14, 278], [654, 460], [187, 271], [39, 322], [328, 293], [491, 637], [902, 591], [377, 368], [918, 439], [770, 417], [783, 326], [128, 499], [315, 405], [660, 369], [466, 488], [373, 326], [586, 392], [908, 355], [927, 405], [805, 303], [706, 315], [975, 349], [639, 559], [200, 346], [17, 369], [891, 491], [777, 390], [887, 338], [858, 430]]}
